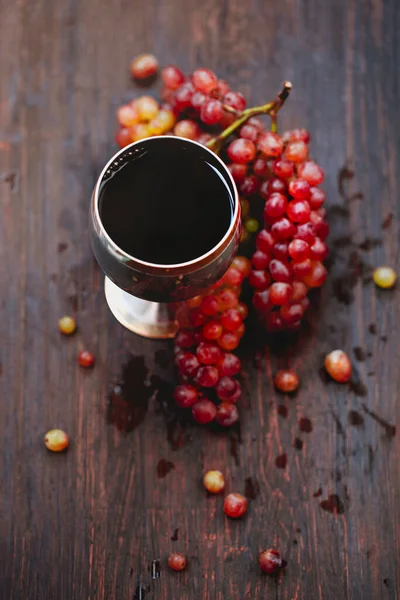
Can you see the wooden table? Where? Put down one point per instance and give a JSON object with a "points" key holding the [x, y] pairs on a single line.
{"points": [[89, 523]]}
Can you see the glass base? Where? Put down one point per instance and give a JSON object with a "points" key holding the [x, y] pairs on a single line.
{"points": [[149, 319]]}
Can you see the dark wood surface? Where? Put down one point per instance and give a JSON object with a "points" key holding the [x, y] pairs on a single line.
{"points": [[89, 523]]}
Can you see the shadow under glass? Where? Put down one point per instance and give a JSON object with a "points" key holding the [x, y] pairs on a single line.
{"points": [[166, 201]]}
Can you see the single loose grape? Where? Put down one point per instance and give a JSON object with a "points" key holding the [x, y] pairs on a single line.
{"points": [[214, 482], [144, 66], [384, 277], [67, 325], [56, 440]]}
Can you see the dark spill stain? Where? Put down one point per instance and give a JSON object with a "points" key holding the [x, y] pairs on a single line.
{"points": [[342, 241], [359, 353], [281, 461], [356, 196], [355, 418], [390, 430], [305, 425], [343, 288], [162, 358], [130, 572], [177, 420], [356, 385], [155, 569], [140, 592], [387, 582], [345, 174], [251, 488], [295, 542], [11, 179], [74, 302], [370, 243], [283, 411], [175, 535], [323, 374], [339, 426], [337, 210], [53, 277], [344, 284], [164, 467], [338, 476], [235, 438], [371, 458], [298, 444], [387, 221], [384, 338], [128, 401], [371, 373], [318, 493], [258, 361], [61, 247], [333, 505], [372, 329]]}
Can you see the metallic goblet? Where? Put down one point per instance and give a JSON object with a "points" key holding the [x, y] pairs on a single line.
{"points": [[143, 295]]}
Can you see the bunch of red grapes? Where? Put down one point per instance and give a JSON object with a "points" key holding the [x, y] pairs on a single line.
{"points": [[213, 327], [290, 249], [291, 246]]}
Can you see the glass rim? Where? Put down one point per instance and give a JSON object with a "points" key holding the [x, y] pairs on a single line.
{"points": [[172, 266]]}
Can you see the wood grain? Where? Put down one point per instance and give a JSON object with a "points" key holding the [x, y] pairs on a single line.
{"points": [[89, 523]]}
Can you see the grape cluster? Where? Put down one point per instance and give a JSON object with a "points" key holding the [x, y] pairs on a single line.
{"points": [[142, 118], [201, 95], [291, 247], [204, 349]]}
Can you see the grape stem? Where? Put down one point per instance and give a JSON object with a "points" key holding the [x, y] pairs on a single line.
{"points": [[267, 109]]}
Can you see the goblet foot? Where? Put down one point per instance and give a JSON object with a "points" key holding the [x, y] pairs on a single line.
{"points": [[149, 319]]}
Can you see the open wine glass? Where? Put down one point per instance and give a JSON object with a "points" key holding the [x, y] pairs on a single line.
{"points": [[164, 225]]}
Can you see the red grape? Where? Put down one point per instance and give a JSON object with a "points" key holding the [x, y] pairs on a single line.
{"points": [[275, 206], [279, 293], [185, 395], [172, 77], [204, 411], [231, 319], [208, 354], [204, 80], [227, 414], [211, 111], [270, 144], [235, 100], [238, 171], [311, 172], [249, 132], [283, 168], [212, 330], [144, 66], [299, 211], [260, 260], [259, 280], [228, 340], [241, 151], [229, 364], [296, 151], [207, 376], [299, 250], [299, 189]]}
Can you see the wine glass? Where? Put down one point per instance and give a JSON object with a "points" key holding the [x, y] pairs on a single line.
{"points": [[164, 225]]}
